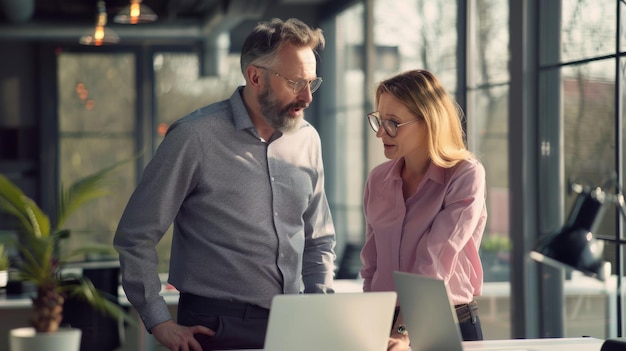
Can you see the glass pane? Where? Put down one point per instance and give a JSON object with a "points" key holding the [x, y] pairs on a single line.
{"points": [[343, 135], [97, 221], [420, 33], [96, 130], [622, 26], [589, 159], [588, 29], [488, 46], [586, 307], [588, 122], [487, 136], [179, 90], [96, 93]]}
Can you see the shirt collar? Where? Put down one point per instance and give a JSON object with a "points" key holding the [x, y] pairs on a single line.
{"points": [[241, 118], [434, 172]]}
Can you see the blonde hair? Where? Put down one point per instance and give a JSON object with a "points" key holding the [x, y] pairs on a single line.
{"points": [[422, 93]]}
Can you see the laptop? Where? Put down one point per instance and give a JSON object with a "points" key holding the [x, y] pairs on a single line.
{"points": [[424, 302], [342, 321]]}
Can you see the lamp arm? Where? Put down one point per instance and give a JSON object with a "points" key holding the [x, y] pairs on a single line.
{"points": [[619, 201], [610, 239]]}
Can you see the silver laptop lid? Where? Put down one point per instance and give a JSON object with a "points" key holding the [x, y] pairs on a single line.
{"points": [[428, 314], [341, 321]]}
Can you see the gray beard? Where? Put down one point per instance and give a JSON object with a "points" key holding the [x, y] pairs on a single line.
{"points": [[275, 116]]}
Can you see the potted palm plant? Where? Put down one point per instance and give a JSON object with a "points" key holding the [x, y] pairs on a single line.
{"points": [[4, 266], [41, 260]]}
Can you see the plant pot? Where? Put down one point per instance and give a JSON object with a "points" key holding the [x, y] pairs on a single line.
{"points": [[26, 339], [4, 279]]}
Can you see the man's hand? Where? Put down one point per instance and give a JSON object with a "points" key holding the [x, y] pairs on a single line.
{"points": [[177, 337], [398, 342]]}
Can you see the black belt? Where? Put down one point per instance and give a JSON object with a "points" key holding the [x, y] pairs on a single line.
{"points": [[467, 311], [464, 312], [218, 306]]}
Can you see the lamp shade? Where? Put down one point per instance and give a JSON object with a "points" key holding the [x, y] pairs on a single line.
{"points": [[574, 245], [574, 248], [101, 34], [135, 13]]}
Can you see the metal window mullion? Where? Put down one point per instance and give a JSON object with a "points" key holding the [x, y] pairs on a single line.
{"points": [[618, 166]]}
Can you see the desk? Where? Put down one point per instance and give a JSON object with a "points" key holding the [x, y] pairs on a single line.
{"points": [[553, 344], [14, 302], [146, 341], [579, 287]]}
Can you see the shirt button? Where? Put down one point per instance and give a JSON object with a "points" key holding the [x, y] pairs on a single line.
{"points": [[273, 179], [275, 213]]}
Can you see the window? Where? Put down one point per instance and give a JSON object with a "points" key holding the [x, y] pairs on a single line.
{"points": [[179, 90], [588, 78], [96, 110]]}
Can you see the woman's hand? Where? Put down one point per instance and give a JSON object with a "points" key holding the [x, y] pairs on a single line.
{"points": [[398, 342]]}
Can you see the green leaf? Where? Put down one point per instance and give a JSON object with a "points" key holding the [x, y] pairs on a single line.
{"points": [[13, 201], [89, 188], [83, 289], [41, 259]]}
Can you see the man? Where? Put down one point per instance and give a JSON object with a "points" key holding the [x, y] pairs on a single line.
{"points": [[242, 180]]}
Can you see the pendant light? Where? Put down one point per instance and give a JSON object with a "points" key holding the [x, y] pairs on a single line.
{"points": [[134, 13], [101, 35]]}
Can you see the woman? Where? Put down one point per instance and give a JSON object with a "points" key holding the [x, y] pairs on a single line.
{"points": [[425, 207]]}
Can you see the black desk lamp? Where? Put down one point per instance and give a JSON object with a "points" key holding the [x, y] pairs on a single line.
{"points": [[575, 246]]}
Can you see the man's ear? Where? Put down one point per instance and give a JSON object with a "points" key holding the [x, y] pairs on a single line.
{"points": [[253, 76]]}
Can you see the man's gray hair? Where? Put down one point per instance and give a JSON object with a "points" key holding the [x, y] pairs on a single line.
{"points": [[262, 44]]}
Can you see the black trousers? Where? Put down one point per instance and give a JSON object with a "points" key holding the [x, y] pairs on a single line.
{"points": [[469, 321], [237, 325]]}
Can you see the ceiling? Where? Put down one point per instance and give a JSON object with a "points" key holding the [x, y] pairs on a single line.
{"points": [[177, 19], [168, 11]]}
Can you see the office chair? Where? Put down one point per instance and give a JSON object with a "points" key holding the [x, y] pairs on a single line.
{"points": [[100, 332], [350, 263]]}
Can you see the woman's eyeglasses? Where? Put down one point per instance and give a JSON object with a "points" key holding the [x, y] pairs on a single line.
{"points": [[390, 127], [298, 85]]}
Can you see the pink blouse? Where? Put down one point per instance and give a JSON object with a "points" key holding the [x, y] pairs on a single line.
{"points": [[436, 232]]}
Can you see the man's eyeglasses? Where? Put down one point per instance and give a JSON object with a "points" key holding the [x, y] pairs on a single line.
{"points": [[390, 127], [299, 85]]}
